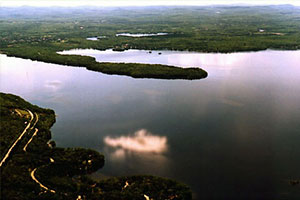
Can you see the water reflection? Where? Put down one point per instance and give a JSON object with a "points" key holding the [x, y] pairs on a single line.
{"points": [[95, 38], [92, 38], [141, 141], [178, 58], [54, 85], [231, 102], [142, 149], [140, 34], [237, 130]]}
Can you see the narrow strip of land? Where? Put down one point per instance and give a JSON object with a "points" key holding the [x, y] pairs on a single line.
{"points": [[17, 140], [38, 182]]}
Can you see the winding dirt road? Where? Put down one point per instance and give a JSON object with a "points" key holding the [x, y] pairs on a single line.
{"points": [[38, 182], [17, 140], [36, 120], [25, 147], [35, 132]]}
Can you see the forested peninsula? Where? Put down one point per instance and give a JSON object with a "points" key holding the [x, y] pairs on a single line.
{"points": [[32, 167], [222, 29]]}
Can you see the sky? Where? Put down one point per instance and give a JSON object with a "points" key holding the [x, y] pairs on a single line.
{"points": [[71, 3]]}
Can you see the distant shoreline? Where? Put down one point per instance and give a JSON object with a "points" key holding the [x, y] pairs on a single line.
{"points": [[42, 170], [135, 70]]}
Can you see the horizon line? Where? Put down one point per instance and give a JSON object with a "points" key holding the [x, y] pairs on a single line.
{"points": [[140, 3]]}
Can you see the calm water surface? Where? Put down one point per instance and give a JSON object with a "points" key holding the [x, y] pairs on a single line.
{"points": [[233, 135], [141, 34]]}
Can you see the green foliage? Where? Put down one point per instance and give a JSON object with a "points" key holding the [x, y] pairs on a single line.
{"points": [[203, 29], [138, 186], [63, 169], [10, 101], [12, 124], [16, 182], [135, 70]]}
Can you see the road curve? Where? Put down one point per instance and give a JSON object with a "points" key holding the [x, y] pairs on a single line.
{"points": [[17, 140], [36, 121], [34, 134], [25, 149], [38, 182]]}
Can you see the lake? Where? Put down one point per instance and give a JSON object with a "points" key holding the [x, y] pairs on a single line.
{"points": [[141, 34], [136, 35], [232, 135], [95, 38]]}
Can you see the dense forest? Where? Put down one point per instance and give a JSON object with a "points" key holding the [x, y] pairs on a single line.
{"points": [[224, 29], [203, 29], [32, 167], [36, 169]]}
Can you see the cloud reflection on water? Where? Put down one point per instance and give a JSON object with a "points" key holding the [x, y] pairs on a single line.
{"points": [[141, 141], [231, 102], [53, 84]]}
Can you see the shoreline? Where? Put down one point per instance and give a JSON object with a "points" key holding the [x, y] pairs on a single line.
{"points": [[134, 70], [52, 172]]}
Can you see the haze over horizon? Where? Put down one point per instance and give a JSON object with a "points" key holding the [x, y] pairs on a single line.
{"points": [[119, 3]]}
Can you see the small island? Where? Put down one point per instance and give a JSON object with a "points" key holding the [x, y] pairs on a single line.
{"points": [[32, 167]]}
